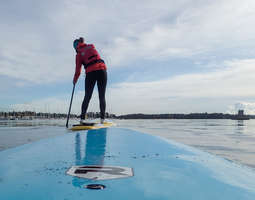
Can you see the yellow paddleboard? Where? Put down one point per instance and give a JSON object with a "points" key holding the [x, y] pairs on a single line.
{"points": [[90, 126]]}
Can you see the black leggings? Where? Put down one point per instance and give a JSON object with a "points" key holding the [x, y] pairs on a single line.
{"points": [[99, 76]]}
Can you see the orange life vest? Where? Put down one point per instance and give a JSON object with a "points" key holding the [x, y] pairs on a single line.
{"points": [[88, 56]]}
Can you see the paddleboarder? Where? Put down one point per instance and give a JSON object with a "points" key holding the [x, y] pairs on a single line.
{"points": [[95, 70]]}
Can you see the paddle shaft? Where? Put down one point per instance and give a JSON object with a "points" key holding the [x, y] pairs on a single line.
{"points": [[70, 107]]}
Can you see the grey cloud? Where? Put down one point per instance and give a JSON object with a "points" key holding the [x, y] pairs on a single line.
{"points": [[40, 33]]}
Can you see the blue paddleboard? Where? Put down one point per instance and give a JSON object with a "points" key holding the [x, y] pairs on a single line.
{"points": [[114, 163]]}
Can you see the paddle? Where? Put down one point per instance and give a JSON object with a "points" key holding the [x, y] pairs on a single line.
{"points": [[70, 107]]}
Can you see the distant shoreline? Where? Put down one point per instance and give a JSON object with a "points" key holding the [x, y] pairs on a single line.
{"points": [[28, 115], [187, 116]]}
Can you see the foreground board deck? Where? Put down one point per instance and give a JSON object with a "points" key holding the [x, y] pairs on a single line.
{"points": [[152, 169]]}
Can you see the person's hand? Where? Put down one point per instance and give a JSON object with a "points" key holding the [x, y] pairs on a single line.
{"points": [[74, 82]]}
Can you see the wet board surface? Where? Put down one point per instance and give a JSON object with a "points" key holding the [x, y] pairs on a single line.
{"points": [[161, 169], [90, 126]]}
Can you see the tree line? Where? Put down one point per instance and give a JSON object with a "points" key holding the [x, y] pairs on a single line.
{"points": [[182, 116], [41, 115]]}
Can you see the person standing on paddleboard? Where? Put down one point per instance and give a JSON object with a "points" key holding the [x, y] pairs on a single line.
{"points": [[95, 70]]}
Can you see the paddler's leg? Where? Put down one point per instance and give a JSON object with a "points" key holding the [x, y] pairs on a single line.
{"points": [[101, 85], [90, 82]]}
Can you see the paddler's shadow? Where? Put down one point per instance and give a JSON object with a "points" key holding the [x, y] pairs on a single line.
{"points": [[89, 150]]}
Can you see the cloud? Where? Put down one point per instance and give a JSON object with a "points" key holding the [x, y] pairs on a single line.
{"points": [[234, 78], [58, 104], [36, 48], [32, 48], [45, 105], [198, 92], [194, 31], [37, 37], [248, 107]]}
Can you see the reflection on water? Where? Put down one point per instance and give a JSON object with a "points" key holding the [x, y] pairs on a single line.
{"points": [[94, 151], [240, 123], [35, 122], [18, 132], [240, 127], [231, 139]]}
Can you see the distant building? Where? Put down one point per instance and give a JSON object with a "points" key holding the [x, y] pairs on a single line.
{"points": [[241, 116], [240, 112]]}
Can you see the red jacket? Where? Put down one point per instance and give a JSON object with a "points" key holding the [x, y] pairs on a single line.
{"points": [[88, 56]]}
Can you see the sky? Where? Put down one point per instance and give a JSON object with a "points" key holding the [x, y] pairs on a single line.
{"points": [[163, 56]]}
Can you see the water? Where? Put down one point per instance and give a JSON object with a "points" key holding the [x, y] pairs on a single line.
{"points": [[230, 139], [233, 140], [17, 132]]}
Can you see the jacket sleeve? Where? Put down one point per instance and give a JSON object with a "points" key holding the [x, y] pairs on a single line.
{"points": [[77, 69]]}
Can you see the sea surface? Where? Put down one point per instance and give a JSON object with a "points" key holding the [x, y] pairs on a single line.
{"points": [[230, 139]]}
